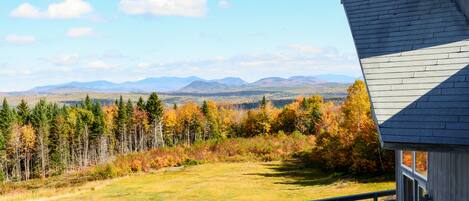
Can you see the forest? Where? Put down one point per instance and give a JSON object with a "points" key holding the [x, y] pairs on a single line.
{"points": [[49, 139]]}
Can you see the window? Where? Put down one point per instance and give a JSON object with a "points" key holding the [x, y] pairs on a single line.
{"points": [[414, 169], [408, 188], [422, 194], [407, 159], [421, 165], [416, 162]]}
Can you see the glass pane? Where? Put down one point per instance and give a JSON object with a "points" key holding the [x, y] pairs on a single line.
{"points": [[421, 165], [422, 194], [407, 159], [408, 189]]}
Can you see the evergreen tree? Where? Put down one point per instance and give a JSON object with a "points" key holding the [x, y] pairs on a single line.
{"points": [[205, 108], [210, 112], [6, 120], [99, 121], [263, 102], [129, 109], [6, 123], [98, 130], [56, 140], [121, 123], [23, 112], [41, 122], [154, 108], [87, 103], [141, 104]]}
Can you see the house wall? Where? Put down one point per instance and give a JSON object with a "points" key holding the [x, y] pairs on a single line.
{"points": [[448, 176]]}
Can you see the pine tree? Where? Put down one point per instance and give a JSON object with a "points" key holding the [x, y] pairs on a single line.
{"points": [[263, 102], [6, 123], [6, 120], [130, 125], [154, 108], [210, 111], [141, 104], [87, 103], [98, 126], [55, 140], [41, 122], [121, 123], [23, 112]]}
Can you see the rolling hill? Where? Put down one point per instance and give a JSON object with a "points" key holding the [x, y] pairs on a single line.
{"points": [[193, 84]]}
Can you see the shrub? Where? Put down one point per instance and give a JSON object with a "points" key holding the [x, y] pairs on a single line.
{"points": [[136, 165], [107, 171], [2, 176], [191, 162]]}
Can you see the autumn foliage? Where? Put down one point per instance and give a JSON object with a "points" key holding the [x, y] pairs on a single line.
{"points": [[349, 140], [49, 139]]}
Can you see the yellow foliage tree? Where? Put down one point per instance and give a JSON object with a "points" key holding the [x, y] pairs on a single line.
{"points": [[28, 140]]}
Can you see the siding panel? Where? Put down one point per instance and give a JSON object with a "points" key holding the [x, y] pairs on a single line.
{"points": [[415, 60], [448, 176]]}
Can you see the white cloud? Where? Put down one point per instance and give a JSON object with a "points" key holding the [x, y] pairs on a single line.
{"points": [[64, 10], [64, 60], [284, 62], [308, 49], [100, 65], [80, 32], [187, 8], [224, 4], [20, 40], [144, 65], [26, 10]]}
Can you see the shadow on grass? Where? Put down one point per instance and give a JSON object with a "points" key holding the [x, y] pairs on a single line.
{"points": [[299, 173]]}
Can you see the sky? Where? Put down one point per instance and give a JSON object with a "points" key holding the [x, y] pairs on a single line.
{"points": [[44, 42]]}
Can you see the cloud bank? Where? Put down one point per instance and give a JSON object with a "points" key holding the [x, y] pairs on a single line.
{"points": [[186, 8], [20, 40], [67, 9]]}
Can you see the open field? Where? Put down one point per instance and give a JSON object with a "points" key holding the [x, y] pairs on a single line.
{"points": [[216, 181]]}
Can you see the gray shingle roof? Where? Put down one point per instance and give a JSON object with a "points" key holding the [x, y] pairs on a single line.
{"points": [[415, 59]]}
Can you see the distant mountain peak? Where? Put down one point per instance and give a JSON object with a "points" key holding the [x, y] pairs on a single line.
{"points": [[190, 84]]}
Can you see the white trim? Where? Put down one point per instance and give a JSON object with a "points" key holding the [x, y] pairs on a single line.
{"points": [[413, 170], [418, 180]]}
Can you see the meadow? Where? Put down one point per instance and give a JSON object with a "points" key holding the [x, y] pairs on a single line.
{"points": [[216, 181]]}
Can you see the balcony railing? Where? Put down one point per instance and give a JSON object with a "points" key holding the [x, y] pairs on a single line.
{"points": [[374, 195]]}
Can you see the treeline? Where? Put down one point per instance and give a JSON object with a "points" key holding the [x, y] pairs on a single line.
{"points": [[48, 139]]}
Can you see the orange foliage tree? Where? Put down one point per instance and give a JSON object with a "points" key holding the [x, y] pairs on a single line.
{"points": [[350, 142]]}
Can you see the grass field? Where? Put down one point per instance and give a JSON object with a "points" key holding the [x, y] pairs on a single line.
{"points": [[215, 181]]}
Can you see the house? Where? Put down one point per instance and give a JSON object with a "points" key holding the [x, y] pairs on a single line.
{"points": [[414, 55]]}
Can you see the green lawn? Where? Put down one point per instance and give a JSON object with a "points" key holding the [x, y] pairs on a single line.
{"points": [[215, 181]]}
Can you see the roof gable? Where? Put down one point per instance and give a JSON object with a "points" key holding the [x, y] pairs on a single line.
{"points": [[415, 60]]}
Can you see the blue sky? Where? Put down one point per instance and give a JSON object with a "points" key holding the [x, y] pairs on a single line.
{"points": [[55, 41]]}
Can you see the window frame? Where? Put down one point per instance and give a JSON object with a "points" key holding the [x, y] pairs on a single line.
{"points": [[415, 167], [419, 180], [402, 162], [412, 170]]}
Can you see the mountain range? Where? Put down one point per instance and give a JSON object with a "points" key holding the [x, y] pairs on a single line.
{"points": [[191, 84]]}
